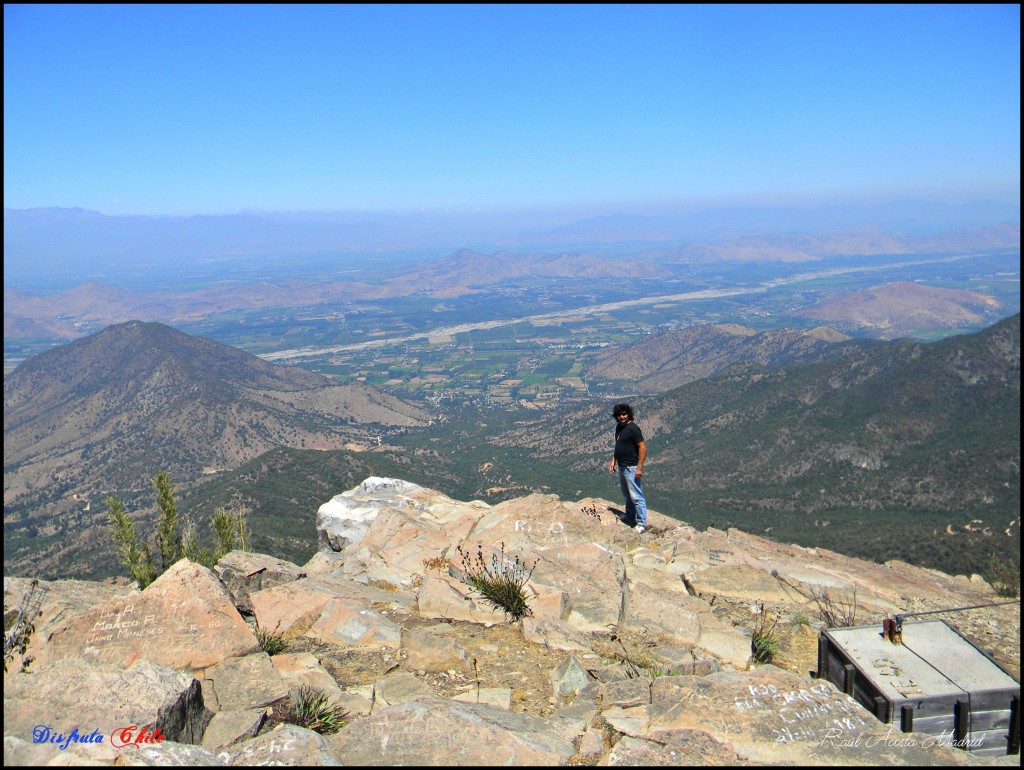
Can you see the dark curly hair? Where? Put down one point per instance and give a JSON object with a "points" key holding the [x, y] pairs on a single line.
{"points": [[625, 409]]}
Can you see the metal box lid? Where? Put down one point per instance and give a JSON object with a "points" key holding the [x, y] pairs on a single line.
{"points": [[934, 660]]}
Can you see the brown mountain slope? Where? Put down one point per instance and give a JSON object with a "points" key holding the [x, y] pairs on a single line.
{"points": [[901, 308], [102, 414], [660, 362]]}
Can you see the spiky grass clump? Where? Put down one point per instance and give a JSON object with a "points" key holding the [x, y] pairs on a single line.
{"points": [[501, 581], [764, 644], [270, 642], [313, 710]]}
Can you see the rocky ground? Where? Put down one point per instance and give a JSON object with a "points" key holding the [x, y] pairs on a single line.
{"points": [[636, 649]]}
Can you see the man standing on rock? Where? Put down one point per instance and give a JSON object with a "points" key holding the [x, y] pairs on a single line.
{"points": [[630, 453]]}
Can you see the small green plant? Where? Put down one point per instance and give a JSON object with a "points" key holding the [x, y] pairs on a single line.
{"points": [[1004, 576], [271, 642], [192, 550], [800, 618], [230, 532], [501, 581], [136, 557], [764, 644], [313, 710], [168, 539]]}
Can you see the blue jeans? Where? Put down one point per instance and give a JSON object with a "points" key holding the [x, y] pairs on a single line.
{"points": [[636, 505]]}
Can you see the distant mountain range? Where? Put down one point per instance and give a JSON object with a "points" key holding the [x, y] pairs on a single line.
{"points": [[904, 218], [659, 362], [88, 307], [100, 415], [70, 246]]}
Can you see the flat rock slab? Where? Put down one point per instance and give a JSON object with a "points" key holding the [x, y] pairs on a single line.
{"points": [[678, 748], [350, 623], [298, 604], [739, 581], [285, 745], [435, 731], [774, 716], [594, 581], [61, 600], [228, 727], [243, 683]]}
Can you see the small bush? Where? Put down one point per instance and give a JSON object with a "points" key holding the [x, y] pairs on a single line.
{"points": [[19, 626], [500, 582], [836, 612], [271, 642], [1005, 577], [436, 563], [313, 710], [800, 618], [765, 644]]}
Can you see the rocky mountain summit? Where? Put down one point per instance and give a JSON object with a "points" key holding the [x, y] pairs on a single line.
{"points": [[636, 649]]}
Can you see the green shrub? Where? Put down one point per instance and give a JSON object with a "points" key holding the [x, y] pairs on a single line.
{"points": [[1004, 576], [230, 531], [271, 642], [500, 582], [764, 644], [800, 618], [140, 558], [313, 710], [136, 557]]}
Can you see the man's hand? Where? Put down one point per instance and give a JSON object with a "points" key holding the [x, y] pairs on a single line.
{"points": [[611, 465]]}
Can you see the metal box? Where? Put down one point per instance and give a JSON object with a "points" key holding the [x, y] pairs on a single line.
{"points": [[935, 682]]}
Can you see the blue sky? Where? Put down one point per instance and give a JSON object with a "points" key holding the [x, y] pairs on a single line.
{"points": [[215, 109]]}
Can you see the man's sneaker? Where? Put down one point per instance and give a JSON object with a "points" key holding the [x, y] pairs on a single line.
{"points": [[639, 529]]}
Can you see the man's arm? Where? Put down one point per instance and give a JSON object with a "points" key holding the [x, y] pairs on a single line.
{"points": [[641, 449]]}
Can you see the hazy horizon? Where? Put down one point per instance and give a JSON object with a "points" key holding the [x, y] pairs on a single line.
{"points": [[563, 111]]}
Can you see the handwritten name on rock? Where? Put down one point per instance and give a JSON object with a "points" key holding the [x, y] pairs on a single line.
{"points": [[807, 714]]}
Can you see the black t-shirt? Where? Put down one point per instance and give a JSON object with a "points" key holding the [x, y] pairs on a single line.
{"points": [[627, 444]]}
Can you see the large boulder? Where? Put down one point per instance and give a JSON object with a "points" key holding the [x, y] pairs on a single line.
{"points": [[346, 518], [185, 619], [244, 573], [93, 697]]}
